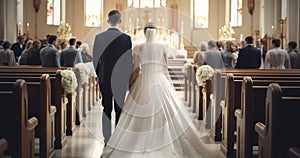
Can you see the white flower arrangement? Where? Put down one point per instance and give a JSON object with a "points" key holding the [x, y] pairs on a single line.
{"points": [[68, 80], [185, 69], [204, 73], [84, 72], [91, 68]]}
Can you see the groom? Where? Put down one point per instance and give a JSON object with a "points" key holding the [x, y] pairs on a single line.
{"points": [[112, 58]]}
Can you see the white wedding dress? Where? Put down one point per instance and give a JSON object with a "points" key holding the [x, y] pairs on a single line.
{"points": [[154, 122]]}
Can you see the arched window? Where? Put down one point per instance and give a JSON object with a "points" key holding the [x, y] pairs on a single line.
{"points": [[93, 12], [146, 3], [201, 8], [236, 13], [53, 12]]}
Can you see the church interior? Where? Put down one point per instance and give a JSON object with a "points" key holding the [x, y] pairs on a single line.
{"points": [[69, 126]]}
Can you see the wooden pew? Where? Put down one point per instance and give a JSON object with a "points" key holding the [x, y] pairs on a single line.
{"points": [[294, 152], [39, 87], [233, 100], [16, 128], [252, 110], [3, 146], [281, 129], [57, 99]]}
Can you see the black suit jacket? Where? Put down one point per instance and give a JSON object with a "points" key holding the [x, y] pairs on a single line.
{"points": [[16, 47], [112, 57], [249, 57]]}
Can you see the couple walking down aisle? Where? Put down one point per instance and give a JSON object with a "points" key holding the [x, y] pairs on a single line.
{"points": [[154, 123]]}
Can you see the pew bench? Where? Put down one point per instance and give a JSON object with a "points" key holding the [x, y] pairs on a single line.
{"points": [[16, 128], [39, 99], [281, 128], [57, 99], [232, 100], [253, 101]]}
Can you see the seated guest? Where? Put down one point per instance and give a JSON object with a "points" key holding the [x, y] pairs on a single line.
{"points": [[7, 56], [49, 54], [294, 55], [276, 57], [31, 56], [70, 56], [84, 50], [213, 56], [249, 57], [198, 56], [18, 47]]}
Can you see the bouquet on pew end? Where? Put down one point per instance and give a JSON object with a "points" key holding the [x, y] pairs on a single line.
{"points": [[204, 73], [68, 80]]}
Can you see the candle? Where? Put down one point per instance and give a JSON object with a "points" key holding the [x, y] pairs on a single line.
{"points": [[27, 27], [241, 37], [181, 27], [272, 31], [19, 27]]}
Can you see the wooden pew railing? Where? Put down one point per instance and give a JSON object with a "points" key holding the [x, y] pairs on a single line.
{"points": [[281, 128], [16, 128]]}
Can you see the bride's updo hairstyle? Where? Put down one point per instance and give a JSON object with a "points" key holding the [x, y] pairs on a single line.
{"points": [[149, 26]]}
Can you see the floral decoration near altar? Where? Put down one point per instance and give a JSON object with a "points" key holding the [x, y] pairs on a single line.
{"points": [[226, 32], [69, 81], [204, 73], [64, 30]]}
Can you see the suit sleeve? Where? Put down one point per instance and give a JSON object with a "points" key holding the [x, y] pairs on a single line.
{"points": [[57, 57], [61, 58]]}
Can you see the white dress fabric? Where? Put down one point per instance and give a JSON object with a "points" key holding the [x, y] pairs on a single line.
{"points": [[154, 122]]}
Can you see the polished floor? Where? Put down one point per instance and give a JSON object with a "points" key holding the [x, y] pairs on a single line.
{"points": [[87, 140]]}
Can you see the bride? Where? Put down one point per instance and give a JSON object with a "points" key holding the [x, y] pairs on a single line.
{"points": [[153, 122]]}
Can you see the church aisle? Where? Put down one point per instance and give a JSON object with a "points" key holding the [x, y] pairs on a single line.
{"points": [[87, 140]]}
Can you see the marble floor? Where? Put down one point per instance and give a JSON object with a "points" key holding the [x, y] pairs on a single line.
{"points": [[87, 140]]}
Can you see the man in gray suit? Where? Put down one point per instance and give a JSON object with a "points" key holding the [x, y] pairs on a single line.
{"points": [[49, 54], [70, 56], [213, 56]]}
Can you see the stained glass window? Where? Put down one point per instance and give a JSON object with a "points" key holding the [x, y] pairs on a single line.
{"points": [[53, 12], [93, 11], [146, 3], [236, 13], [201, 8]]}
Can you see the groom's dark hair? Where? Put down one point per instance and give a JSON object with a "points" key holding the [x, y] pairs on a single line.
{"points": [[114, 17], [149, 26]]}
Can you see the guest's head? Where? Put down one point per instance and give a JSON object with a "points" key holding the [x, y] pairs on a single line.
{"points": [[28, 44], [36, 44], [21, 39], [203, 46], [220, 45], [6, 45], [242, 44], [63, 45], [52, 39], [292, 45], [78, 44], [84, 48], [149, 26], [276, 43], [72, 41], [249, 40], [211, 44], [114, 17], [230, 46]]}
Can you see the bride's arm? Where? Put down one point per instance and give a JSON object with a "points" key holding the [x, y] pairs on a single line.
{"points": [[136, 71]]}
